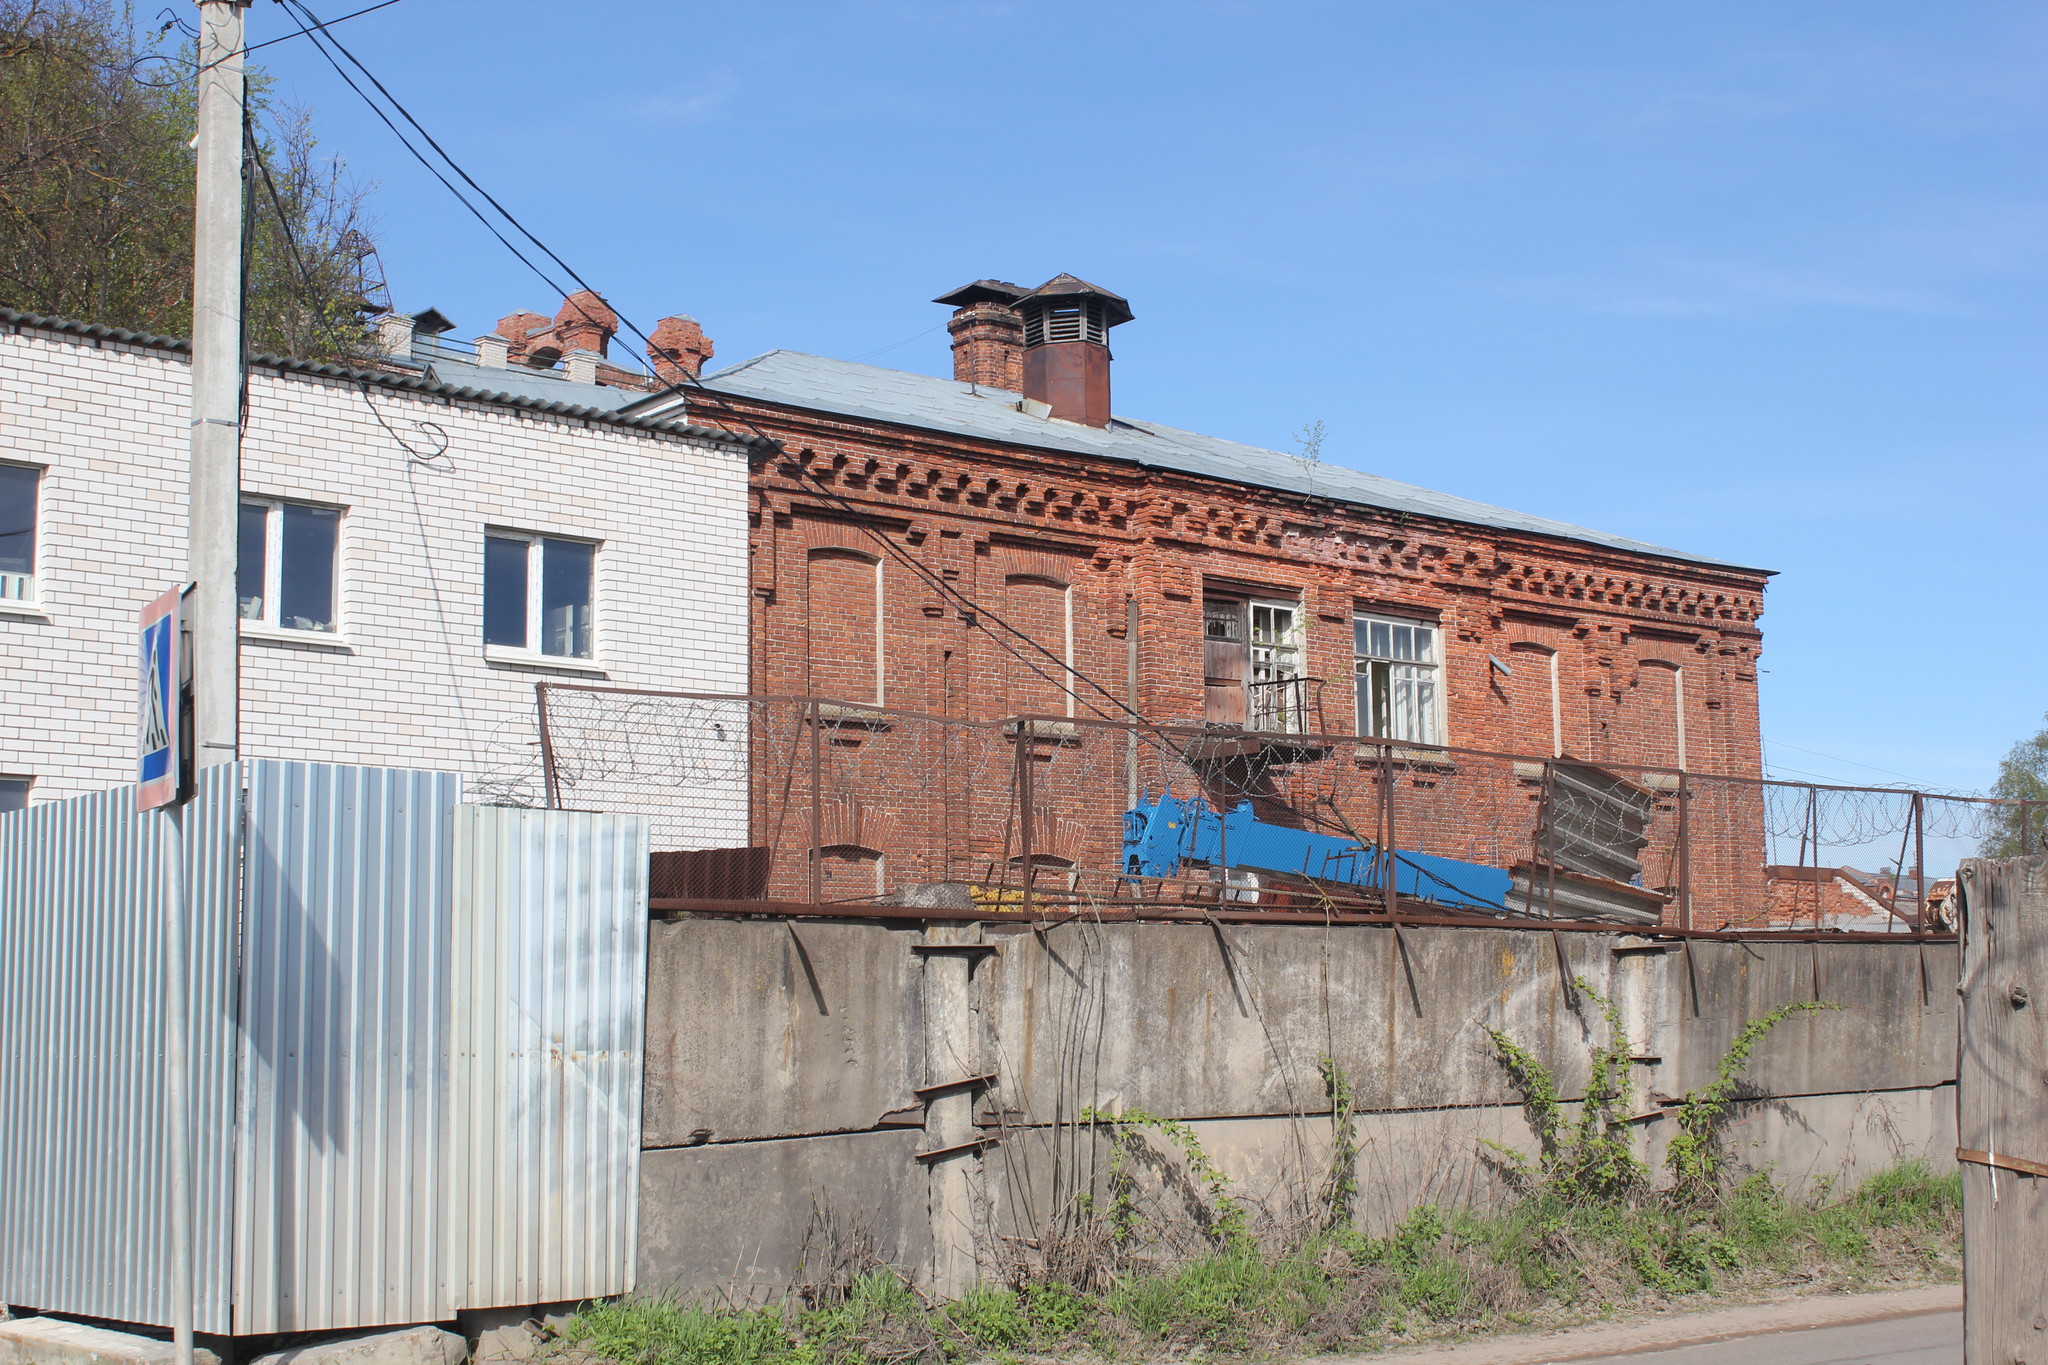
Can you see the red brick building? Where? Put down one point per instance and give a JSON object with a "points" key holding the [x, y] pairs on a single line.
{"points": [[1199, 580]]}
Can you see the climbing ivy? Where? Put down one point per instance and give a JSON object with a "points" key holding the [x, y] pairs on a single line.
{"points": [[1587, 1156], [1695, 1156], [1226, 1216]]}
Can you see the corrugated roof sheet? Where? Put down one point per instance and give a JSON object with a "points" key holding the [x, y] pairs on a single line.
{"points": [[587, 402], [541, 385], [848, 389]]}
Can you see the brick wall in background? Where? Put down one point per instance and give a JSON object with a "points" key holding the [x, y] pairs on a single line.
{"points": [[1630, 639]]}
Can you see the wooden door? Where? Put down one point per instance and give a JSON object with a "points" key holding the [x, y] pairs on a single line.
{"points": [[1226, 658]]}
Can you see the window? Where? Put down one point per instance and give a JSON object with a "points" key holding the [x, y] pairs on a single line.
{"points": [[1251, 661], [1398, 687], [285, 557], [1275, 661], [14, 793], [537, 595], [18, 532]]}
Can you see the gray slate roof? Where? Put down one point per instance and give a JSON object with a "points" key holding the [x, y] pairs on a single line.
{"points": [[917, 400]]}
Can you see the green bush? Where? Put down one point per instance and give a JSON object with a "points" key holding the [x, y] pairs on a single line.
{"points": [[1459, 1268]]}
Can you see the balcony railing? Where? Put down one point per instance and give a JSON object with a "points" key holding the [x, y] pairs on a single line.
{"points": [[1285, 706]]}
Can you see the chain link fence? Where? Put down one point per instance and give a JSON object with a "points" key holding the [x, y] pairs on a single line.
{"points": [[811, 800]]}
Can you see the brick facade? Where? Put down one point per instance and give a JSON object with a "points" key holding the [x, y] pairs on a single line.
{"points": [[992, 519], [420, 475], [1598, 653]]}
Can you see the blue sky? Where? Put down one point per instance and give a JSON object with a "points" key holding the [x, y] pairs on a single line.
{"points": [[1761, 281]]}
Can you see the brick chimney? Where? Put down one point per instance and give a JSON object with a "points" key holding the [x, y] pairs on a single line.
{"points": [[1066, 347], [679, 349], [988, 335], [522, 330], [586, 323]]}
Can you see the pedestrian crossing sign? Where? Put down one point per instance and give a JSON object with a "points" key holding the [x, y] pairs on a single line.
{"points": [[158, 719]]}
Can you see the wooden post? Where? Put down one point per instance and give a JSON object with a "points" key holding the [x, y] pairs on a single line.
{"points": [[2002, 1108], [547, 749]]}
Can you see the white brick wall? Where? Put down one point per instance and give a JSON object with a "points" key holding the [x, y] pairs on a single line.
{"points": [[406, 684]]}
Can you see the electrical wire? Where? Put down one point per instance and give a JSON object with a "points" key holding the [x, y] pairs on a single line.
{"points": [[976, 614], [386, 4]]}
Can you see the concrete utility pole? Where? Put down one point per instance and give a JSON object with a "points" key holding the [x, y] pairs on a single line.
{"points": [[213, 508], [217, 384]]}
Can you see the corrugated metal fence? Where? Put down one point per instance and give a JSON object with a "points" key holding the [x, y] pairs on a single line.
{"points": [[342, 1115], [82, 1172], [549, 1019], [418, 1087]]}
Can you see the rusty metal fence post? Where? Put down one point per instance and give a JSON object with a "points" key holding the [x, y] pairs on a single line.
{"points": [[1684, 849], [1920, 862], [1546, 841], [1026, 758], [1813, 828], [1390, 874], [817, 804]]}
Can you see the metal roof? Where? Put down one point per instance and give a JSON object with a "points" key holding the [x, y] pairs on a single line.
{"points": [[587, 402], [848, 389], [525, 382]]}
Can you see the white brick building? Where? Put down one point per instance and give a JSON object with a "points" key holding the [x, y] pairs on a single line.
{"points": [[371, 503]]}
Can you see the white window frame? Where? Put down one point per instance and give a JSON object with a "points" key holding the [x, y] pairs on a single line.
{"points": [[536, 552], [28, 791], [268, 624], [1272, 660], [21, 591], [1434, 675]]}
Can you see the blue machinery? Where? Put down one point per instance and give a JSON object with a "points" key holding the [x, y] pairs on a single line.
{"points": [[1161, 835]]}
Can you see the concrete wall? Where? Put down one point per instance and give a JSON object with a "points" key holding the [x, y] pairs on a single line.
{"points": [[404, 680], [762, 1039]]}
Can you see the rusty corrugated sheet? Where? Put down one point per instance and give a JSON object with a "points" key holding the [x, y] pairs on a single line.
{"points": [[550, 987], [342, 1124], [82, 1173]]}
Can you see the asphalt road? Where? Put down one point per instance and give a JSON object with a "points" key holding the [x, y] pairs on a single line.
{"points": [[1926, 1339]]}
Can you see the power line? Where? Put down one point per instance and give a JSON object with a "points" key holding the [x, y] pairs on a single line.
{"points": [[1837, 758], [386, 4], [976, 613], [320, 46]]}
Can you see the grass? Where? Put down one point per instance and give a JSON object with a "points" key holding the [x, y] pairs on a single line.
{"points": [[1546, 1259]]}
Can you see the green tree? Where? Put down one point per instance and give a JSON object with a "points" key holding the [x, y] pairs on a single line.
{"points": [[96, 185], [2022, 776]]}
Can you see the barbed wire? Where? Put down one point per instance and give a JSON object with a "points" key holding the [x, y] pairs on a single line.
{"points": [[894, 801]]}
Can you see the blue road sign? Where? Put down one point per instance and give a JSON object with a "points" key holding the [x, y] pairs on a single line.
{"points": [[157, 717]]}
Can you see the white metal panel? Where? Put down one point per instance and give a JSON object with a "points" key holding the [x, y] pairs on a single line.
{"points": [[550, 986], [342, 1123], [82, 1158]]}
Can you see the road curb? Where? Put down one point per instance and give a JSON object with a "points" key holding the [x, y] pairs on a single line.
{"points": [[1679, 1329]]}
